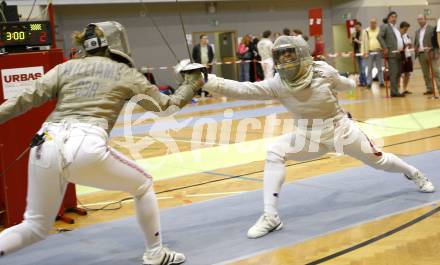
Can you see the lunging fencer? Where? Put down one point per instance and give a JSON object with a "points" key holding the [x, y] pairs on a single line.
{"points": [[90, 93], [309, 91]]}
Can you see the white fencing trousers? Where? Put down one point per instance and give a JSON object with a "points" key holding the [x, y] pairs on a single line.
{"points": [[88, 161], [343, 137]]}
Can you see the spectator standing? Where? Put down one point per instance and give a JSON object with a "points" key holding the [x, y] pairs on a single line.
{"points": [[391, 42], [256, 71], [244, 55], [264, 47], [436, 37], [372, 52], [427, 53], [357, 41], [203, 53], [407, 63]]}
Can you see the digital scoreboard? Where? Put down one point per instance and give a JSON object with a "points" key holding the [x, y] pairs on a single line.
{"points": [[25, 33]]}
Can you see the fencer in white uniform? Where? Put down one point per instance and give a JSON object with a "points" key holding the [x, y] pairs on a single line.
{"points": [[90, 93], [309, 91]]}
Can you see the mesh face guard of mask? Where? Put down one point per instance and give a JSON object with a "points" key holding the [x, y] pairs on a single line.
{"points": [[286, 61], [291, 55]]}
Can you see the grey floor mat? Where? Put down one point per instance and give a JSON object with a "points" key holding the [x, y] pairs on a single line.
{"points": [[214, 231]]}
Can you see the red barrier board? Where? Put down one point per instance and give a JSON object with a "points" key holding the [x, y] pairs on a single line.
{"points": [[17, 70]]}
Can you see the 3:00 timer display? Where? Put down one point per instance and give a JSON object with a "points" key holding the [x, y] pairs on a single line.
{"points": [[25, 34], [18, 35], [21, 35]]}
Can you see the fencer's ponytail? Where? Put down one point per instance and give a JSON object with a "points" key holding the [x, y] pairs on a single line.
{"points": [[78, 39]]}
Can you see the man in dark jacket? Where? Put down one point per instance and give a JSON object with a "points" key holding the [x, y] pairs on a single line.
{"points": [[391, 42], [427, 53], [202, 53]]}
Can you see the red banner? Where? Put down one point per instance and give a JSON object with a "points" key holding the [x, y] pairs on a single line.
{"points": [[349, 24], [315, 22]]}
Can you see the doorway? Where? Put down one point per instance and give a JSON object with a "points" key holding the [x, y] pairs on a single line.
{"points": [[342, 44]]}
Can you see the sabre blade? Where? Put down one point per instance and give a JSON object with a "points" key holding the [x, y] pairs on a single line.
{"points": [[184, 31], [147, 12]]}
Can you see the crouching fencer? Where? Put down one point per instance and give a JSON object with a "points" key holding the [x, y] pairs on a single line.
{"points": [[90, 93], [308, 90]]}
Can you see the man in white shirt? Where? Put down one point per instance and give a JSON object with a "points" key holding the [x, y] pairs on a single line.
{"points": [[399, 38], [264, 47]]}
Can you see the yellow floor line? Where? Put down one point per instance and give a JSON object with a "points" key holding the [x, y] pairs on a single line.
{"points": [[224, 156]]}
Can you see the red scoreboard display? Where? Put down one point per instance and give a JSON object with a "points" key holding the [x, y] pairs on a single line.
{"points": [[26, 33]]}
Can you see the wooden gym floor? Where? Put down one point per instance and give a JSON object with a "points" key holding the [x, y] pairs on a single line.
{"points": [[418, 244]]}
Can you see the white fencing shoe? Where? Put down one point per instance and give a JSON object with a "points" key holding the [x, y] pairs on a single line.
{"points": [[422, 182], [164, 257], [266, 223]]}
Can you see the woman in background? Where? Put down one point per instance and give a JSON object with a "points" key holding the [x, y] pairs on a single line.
{"points": [[245, 54], [407, 63]]}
